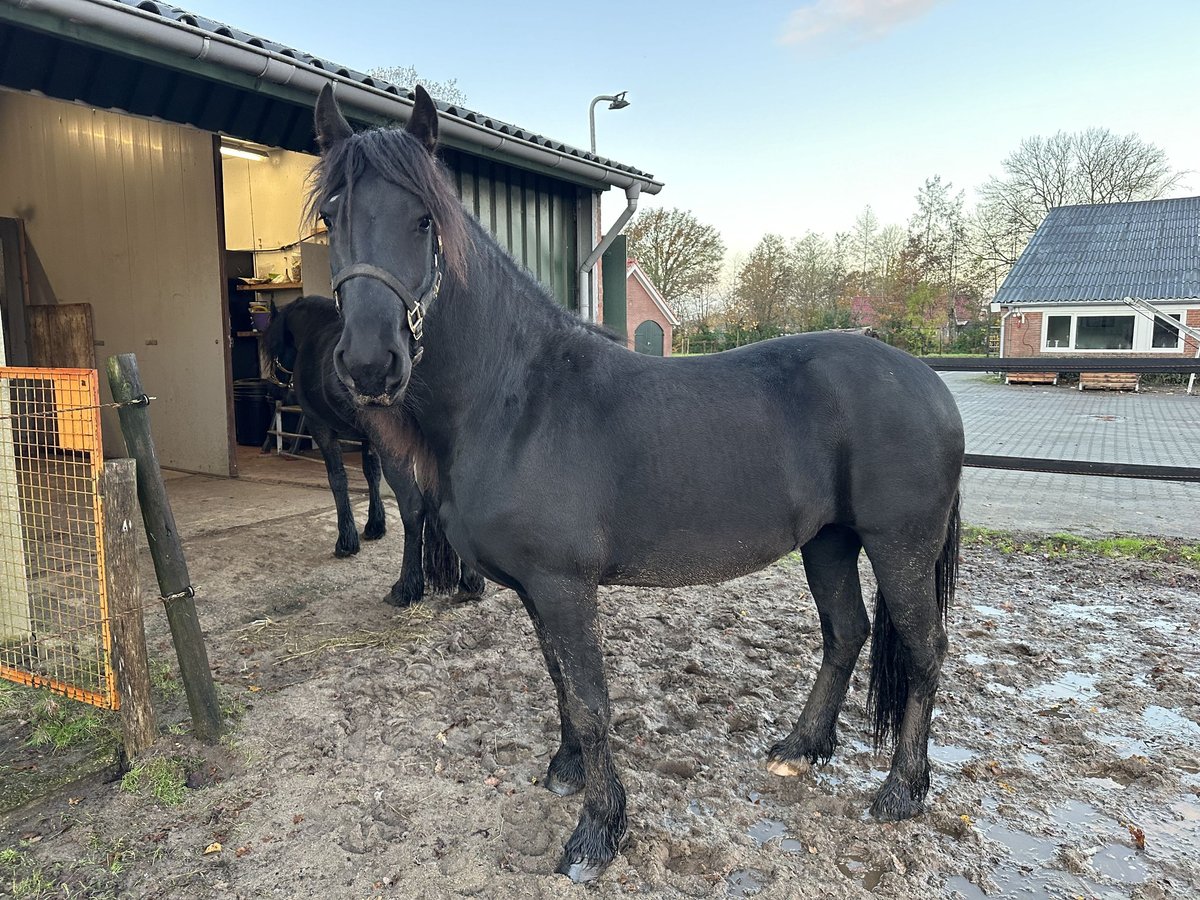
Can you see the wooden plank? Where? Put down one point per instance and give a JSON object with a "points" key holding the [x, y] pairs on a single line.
{"points": [[1031, 378], [1111, 381], [118, 488], [61, 336], [166, 549]]}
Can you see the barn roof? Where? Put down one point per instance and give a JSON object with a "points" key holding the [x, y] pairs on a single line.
{"points": [[1108, 251], [218, 78]]}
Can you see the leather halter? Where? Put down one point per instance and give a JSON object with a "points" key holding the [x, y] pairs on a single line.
{"points": [[414, 304], [277, 366]]}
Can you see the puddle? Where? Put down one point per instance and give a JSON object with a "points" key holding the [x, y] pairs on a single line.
{"points": [[1069, 686], [857, 870], [1122, 744], [1032, 760], [1170, 722], [994, 612], [950, 754], [1093, 612], [961, 887], [1078, 813], [765, 830], [744, 883], [976, 659], [1165, 626], [1120, 863]]}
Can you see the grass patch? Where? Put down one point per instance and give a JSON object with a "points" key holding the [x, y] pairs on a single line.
{"points": [[1063, 544], [23, 878], [53, 721], [164, 778]]}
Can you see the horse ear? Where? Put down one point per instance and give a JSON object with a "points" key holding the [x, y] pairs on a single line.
{"points": [[424, 122], [331, 125]]}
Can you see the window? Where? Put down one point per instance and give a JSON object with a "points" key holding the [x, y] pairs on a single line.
{"points": [[1166, 337], [1058, 331], [1104, 333]]}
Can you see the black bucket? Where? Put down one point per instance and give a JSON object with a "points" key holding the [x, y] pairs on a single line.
{"points": [[252, 411]]}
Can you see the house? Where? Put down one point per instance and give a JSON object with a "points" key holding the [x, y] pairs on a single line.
{"points": [[153, 158], [1066, 296], [651, 323]]}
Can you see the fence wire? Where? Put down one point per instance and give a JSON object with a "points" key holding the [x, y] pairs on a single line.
{"points": [[54, 628]]}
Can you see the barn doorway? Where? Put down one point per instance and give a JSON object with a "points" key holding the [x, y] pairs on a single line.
{"points": [[648, 338]]}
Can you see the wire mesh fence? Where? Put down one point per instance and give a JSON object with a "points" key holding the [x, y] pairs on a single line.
{"points": [[54, 629]]}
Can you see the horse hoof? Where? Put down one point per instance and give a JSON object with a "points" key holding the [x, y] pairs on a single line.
{"points": [[373, 533], [343, 552], [789, 768], [563, 788], [581, 871], [895, 803], [402, 599]]}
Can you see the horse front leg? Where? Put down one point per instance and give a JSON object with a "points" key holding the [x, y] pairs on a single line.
{"points": [[335, 470], [568, 614], [376, 517], [565, 773], [410, 586]]}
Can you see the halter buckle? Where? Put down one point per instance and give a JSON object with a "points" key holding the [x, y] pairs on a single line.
{"points": [[416, 321]]}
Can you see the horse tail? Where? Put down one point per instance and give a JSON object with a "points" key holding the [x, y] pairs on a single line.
{"points": [[439, 560], [887, 690]]}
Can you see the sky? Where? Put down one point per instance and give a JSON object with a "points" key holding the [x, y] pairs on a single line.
{"points": [[786, 117]]}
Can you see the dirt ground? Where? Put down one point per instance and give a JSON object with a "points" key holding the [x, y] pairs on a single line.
{"points": [[389, 754]]}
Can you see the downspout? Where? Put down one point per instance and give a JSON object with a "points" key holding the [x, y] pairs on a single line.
{"points": [[1002, 318], [587, 271]]}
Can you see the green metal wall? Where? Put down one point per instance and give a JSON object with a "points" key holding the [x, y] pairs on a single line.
{"points": [[532, 215]]}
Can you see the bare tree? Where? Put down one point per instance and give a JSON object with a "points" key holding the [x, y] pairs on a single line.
{"points": [[681, 254], [1092, 166], [406, 76], [863, 239]]}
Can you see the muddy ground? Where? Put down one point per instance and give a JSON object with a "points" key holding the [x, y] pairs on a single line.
{"points": [[380, 753]]}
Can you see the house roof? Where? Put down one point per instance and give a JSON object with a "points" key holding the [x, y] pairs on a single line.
{"points": [[235, 82], [633, 269], [1108, 251]]}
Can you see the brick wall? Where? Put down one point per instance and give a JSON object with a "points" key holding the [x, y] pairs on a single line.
{"points": [[1023, 338], [1189, 344], [640, 306]]}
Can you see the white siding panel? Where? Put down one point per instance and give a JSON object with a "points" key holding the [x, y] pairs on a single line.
{"points": [[121, 213]]}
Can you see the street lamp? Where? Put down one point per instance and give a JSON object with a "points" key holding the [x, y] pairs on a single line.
{"points": [[617, 102]]}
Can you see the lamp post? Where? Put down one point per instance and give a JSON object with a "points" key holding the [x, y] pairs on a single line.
{"points": [[616, 101]]}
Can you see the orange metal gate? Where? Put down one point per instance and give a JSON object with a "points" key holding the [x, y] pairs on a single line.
{"points": [[54, 626]]}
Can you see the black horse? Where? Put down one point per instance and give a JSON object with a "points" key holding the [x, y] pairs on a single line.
{"points": [[299, 346], [564, 462]]}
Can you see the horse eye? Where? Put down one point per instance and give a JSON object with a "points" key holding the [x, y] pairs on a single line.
{"points": [[426, 223], [325, 220]]}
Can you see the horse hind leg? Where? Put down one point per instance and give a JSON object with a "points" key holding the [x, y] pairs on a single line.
{"points": [[831, 564], [908, 646], [376, 526]]}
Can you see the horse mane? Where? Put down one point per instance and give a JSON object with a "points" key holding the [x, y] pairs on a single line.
{"points": [[401, 159]]}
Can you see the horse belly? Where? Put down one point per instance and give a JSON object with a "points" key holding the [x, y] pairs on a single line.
{"points": [[679, 555]]}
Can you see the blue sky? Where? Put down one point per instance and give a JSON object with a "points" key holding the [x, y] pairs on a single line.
{"points": [[787, 117]]}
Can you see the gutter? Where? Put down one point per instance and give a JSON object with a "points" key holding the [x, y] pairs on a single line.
{"points": [[276, 68], [587, 271]]}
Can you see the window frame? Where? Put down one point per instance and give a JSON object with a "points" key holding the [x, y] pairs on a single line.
{"points": [[1143, 327]]}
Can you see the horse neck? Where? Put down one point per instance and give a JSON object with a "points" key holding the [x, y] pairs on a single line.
{"points": [[480, 343]]}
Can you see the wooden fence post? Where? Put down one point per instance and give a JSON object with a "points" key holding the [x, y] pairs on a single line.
{"points": [[165, 549], [118, 488]]}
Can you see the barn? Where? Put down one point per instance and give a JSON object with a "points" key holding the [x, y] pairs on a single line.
{"points": [[151, 187], [1106, 278]]}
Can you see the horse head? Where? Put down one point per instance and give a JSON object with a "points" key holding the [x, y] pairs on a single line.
{"points": [[396, 230]]}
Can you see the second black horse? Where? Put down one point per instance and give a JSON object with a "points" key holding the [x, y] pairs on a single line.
{"points": [[297, 351]]}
